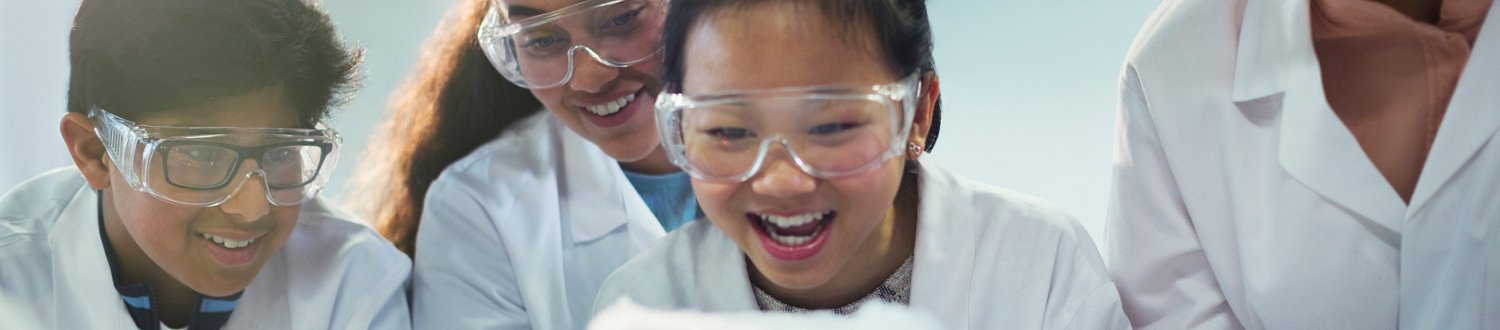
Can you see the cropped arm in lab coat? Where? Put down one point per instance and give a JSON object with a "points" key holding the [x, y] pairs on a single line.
{"points": [[379, 299], [1165, 279], [463, 277], [376, 299]]}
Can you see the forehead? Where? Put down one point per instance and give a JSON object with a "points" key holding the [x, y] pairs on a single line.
{"points": [[779, 44], [262, 108]]}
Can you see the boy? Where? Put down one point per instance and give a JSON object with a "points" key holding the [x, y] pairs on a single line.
{"points": [[193, 128]]}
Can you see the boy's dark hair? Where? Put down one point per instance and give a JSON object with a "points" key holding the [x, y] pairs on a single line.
{"points": [[134, 57], [901, 31]]}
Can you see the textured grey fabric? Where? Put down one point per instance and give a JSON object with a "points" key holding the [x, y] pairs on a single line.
{"points": [[896, 290]]}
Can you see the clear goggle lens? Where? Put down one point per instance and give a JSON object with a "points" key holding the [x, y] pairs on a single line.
{"points": [[538, 51], [195, 166], [827, 132]]}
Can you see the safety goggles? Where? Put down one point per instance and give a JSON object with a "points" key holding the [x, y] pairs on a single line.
{"points": [[205, 166], [538, 51], [827, 131]]}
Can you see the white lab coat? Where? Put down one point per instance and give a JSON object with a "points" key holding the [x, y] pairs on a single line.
{"points": [[1242, 201], [985, 258], [332, 273], [520, 233]]}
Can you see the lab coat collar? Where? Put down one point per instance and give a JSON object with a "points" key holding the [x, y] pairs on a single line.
{"points": [[1472, 118], [1276, 71], [81, 275], [945, 252], [596, 194], [725, 286], [1275, 39]]}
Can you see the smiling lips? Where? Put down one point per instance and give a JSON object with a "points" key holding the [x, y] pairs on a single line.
{"points": [[792, 230], [231, 252], [792, 237], [614, 112], [229, 243], [611, 107]]}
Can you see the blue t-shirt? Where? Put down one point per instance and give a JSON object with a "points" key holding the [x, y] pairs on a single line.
{"points": [[669, 196]]}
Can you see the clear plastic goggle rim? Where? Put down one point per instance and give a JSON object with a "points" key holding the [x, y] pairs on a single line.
{"points": [[119, 134], [488, 31], [313, 189], [903, 91], [572, 53], [534, 21], [765, 149]]}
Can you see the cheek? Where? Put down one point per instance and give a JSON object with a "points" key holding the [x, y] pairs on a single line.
{"points": [[717, 201], [156, 226], [552, 99], [869, 196], [650, 74], [286, 219]]}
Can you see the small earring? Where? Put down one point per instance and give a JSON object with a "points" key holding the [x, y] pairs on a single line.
{"points": [[913, 150]]}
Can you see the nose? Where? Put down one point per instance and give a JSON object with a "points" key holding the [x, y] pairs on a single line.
{"points": [[249, 203], [589, 75], [780, 177]]}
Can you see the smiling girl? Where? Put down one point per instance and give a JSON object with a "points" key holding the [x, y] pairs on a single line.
{"points": [[803, 124]]}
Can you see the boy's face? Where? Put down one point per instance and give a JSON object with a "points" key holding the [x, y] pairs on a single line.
{"points": [[181, 240]]}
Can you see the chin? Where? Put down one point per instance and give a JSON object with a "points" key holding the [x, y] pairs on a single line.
{"points": [[796, 277], [805, 280], [630, 152], [224, 287]]}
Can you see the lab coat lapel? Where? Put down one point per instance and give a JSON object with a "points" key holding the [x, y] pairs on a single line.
{"points": [[1472, 118], [597, 196], [1277, 71], [944, 255], [84, 287], [723, 280]]}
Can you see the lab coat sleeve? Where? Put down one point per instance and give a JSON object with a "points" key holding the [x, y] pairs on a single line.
{"points": [[1156, 259], [463, 275], [395, 313], [1082, 286], [384, 305], [1100, 310]]}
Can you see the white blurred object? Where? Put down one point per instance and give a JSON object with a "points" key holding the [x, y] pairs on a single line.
{"points": [[627, 315]]}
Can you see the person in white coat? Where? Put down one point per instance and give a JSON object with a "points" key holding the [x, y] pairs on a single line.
{"points": [[332, 272], [806, 161], [1296, 164], [532, 210], [198, 155]]}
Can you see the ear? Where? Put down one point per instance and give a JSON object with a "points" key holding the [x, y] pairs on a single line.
{"points": [[921, 122], [86, 149]]}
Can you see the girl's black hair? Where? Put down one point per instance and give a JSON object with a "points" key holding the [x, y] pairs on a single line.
{"points": [[900, 27]]}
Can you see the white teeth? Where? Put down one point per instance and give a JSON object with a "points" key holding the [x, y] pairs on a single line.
{"points": [[790, 240], [611, 107], [792, 221], [771, 222], [227, 243]]}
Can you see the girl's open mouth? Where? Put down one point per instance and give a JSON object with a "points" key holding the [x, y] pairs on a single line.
{"points": [[792, 237]]}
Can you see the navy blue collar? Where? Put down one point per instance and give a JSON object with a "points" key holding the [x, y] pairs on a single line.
{"points": [[211, 314]]}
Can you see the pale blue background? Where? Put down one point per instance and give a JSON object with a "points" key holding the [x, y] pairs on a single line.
{"points": [[1028, 87]]}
